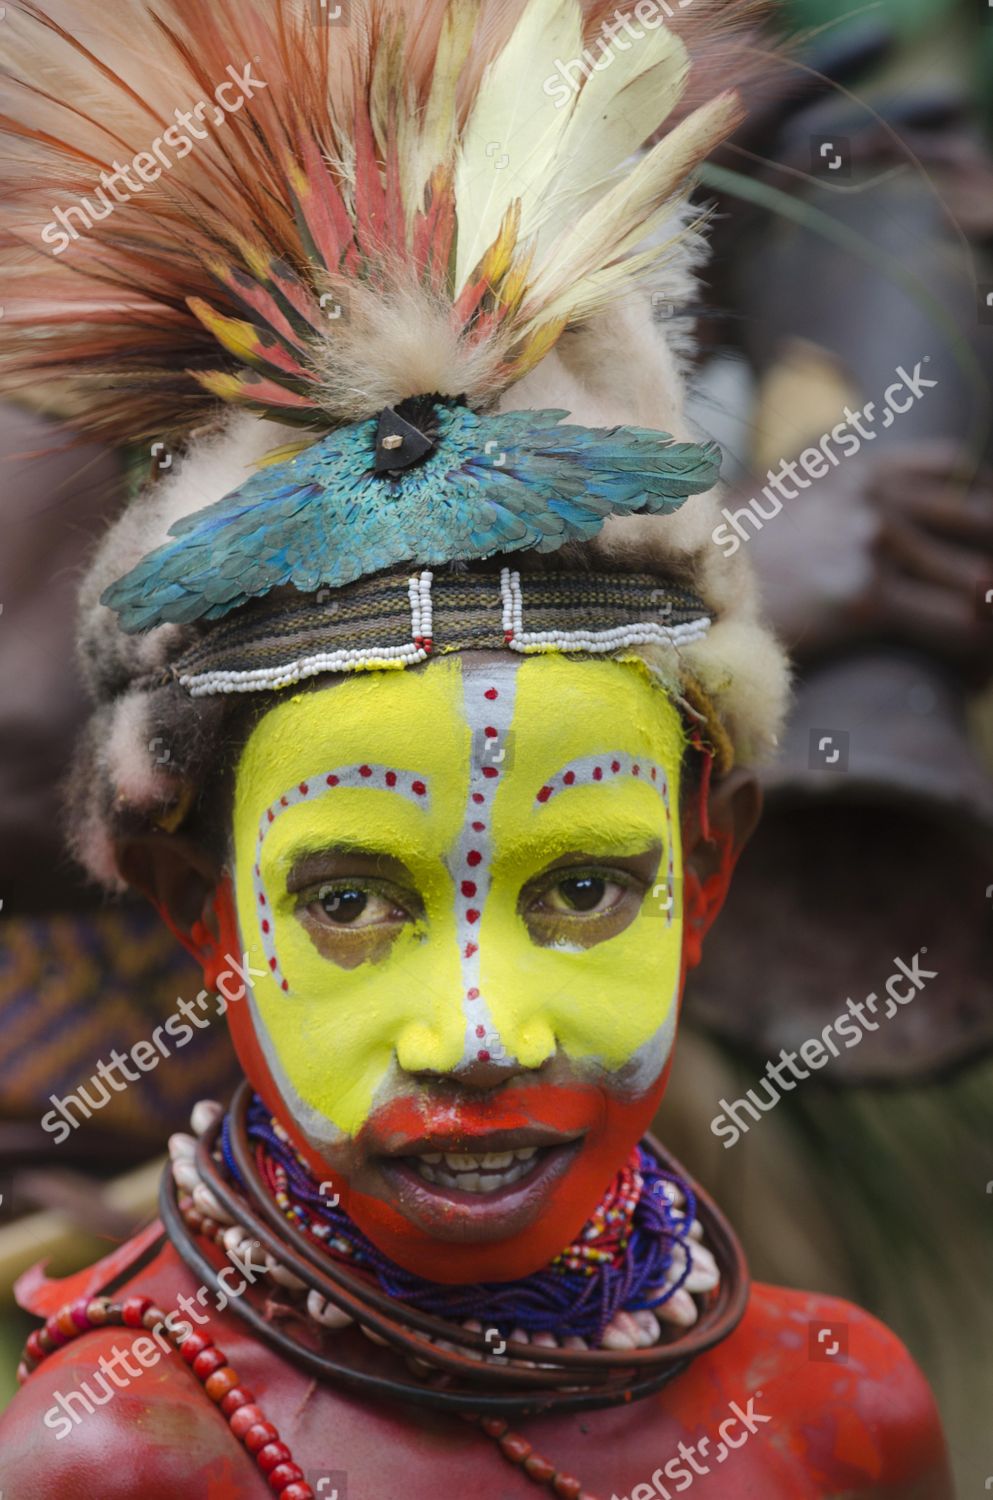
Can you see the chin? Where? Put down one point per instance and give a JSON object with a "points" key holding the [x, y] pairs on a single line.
{"points": [[499, 1194]]}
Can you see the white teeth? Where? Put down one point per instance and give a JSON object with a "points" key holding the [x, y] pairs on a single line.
{"points": [[483, 1172]]}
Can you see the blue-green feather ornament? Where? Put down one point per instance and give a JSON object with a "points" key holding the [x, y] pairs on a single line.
{"points": [[430, 482]]}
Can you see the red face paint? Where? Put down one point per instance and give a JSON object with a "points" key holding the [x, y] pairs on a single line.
{"points": [[595, 1125]]}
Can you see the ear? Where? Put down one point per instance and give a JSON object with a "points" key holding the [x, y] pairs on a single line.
{"points": [[715, 830], [189, 891]]}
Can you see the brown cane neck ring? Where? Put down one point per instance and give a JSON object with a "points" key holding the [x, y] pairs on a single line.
{"points": [[596, 1378]]}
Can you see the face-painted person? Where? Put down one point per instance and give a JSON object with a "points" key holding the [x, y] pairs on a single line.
{"points": [[454, 776]]}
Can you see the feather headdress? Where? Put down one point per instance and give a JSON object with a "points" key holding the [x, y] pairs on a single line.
{"points": [[315, 211], [329, 228]]}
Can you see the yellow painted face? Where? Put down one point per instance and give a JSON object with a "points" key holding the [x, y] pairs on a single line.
{"points": [[477, 862]]}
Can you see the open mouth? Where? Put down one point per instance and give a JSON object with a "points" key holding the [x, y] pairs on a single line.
{"points": [[475, 1172], [458, 1193]]}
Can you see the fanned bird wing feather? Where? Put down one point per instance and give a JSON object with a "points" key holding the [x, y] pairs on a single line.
{"points": [[494, 484]]}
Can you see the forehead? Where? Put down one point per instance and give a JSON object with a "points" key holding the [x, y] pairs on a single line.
{"points": [[530, 717]]}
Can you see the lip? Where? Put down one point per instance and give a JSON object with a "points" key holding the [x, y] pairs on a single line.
{"points": [[475, 1140], [454, 1214]]}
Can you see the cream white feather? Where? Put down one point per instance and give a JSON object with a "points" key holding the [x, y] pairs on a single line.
{"points": [[608, 120], [512, 133]]}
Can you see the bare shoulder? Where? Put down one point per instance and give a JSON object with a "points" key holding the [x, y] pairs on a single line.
{"points": [[97, 1423], [846, 1398]]}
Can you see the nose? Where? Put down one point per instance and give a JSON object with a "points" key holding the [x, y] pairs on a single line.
{"points": [[480, 1074]]}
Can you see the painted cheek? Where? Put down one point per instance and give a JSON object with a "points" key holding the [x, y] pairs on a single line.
{"points": [[614, 1003], [373, 762], [611, 1127], [333, 1034]]}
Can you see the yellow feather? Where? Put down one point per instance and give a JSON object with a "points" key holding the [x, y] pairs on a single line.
{"points": [[496, 262], [286, 452], [515, 283], [224, 387], [236, 336], [537, 345]]}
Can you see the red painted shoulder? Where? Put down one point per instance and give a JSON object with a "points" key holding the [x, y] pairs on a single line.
{"points": [[848, 1399], [94, 1431]]}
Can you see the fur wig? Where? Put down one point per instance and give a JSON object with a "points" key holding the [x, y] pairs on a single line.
{"points": [[361, 168]]}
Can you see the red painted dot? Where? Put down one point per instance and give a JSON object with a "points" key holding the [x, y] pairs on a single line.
{"points": [[472, 994], [472, 915], [304, 788], [257, 870], [261, 899], [265, 926], [468, 887], [483, 1055], [478, 827], [285, 987], [597, 773], [474, 857], [491, 693], [283, 802], [491, 733], [615, 766], [654, 774], [470, 949], [272, 965], [480, 1030], [569, 777], [491, 771], [478, 797], [391, 778], [418, 788], [545, 793], [365, 770], [635, 770], [332, 780], [270, 815]]}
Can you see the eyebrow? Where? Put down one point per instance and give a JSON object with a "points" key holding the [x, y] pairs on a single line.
{"points": [[311, 865], [614, 837]]}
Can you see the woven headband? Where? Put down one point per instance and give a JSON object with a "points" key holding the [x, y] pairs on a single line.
{"points": [[396, 620]]}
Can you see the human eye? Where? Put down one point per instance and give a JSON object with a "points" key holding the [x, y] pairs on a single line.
{"points": [[581, 904], [354, 904], [582, 894]]}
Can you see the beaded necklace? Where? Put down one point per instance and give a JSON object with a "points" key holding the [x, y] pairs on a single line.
{"points": [[621, 1261]]}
